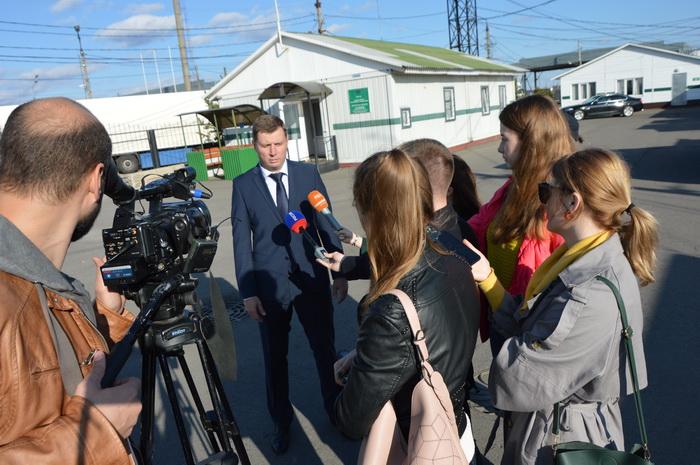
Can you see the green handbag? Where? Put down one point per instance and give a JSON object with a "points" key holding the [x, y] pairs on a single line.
{"points": [[584, 453]]}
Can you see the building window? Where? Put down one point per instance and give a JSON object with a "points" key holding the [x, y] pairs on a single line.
{"points": [[584, 91], [620, 86], [630, 88], [639, 86], [405, 118], [502, 97], [485, 101], [591, 89], [449, 97], [574, 91]]}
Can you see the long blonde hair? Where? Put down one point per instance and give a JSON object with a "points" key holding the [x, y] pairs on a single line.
{"points": [[544, 138], [395, 203], [603, 180]]}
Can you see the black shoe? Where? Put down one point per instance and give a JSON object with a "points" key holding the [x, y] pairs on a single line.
{"points": [[280, 440]]}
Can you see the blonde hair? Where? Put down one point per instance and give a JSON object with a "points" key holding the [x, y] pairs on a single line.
{"points": [[603, 180], [544, 138], [394, 199]]}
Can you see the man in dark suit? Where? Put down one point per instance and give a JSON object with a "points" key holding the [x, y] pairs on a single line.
{"points": [[276, 269]]}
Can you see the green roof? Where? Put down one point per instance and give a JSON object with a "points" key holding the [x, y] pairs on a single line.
{"points": [[424, 56]]}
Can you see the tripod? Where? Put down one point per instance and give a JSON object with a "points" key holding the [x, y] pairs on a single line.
{"points": [[163, 329]]}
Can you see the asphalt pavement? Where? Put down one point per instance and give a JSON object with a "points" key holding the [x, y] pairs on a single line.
{"points": [[663, 149]]}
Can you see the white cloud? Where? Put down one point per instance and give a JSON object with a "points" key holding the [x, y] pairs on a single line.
{"points": [[195, 41], [62, 5], [54, 72], [260, 27], [228, 19], [139, 29], [336, 28], [143, 8]]}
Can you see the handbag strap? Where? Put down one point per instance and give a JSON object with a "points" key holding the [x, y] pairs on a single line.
{"points": [[627, 338], [414, 322]]}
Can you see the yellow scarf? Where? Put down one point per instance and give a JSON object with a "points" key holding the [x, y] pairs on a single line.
{"points": [[561, 258]]}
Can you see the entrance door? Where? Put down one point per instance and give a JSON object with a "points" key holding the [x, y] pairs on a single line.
{"points": [[679, 84], [294, 120], [314, 128]]}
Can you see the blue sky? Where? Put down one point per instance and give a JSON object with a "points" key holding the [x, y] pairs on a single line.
{"points": [[39, 49]]}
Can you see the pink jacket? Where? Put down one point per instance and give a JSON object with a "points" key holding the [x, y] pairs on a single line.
{"points": [[532, 251]]}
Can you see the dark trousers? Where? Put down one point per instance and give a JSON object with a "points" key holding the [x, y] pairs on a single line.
{"points": [[315, 312]]}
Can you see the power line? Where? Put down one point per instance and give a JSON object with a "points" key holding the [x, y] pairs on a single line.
{"points": [[196, 28], [388, 18], [547, 2]]}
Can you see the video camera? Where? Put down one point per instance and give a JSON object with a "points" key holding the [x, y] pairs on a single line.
{"points": [[144, 249]]}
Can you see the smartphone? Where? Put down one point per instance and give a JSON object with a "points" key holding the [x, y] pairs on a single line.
{"points": [[453, 245]]}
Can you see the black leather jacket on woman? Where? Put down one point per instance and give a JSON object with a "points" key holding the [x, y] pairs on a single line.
{"points": [[443, 290]]}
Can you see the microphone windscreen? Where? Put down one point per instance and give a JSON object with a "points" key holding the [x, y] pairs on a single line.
{"points": [[317, 200], [295, 221]]}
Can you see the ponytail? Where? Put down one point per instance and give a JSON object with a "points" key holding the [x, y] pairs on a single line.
{"points": [[639, 239]]}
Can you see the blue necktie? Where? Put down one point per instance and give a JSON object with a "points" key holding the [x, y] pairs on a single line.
{"points": [[282, 203]]}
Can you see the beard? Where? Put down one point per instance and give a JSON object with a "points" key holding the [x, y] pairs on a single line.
{"points": [[85, 223]]}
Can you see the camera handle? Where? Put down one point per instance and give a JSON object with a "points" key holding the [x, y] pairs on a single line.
{"points": [[122, 350]]}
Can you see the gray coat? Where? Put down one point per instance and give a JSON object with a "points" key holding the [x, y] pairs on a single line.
{"points": [[567, 347]]}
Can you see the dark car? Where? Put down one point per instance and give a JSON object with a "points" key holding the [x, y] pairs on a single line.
{"points": [[605, 105]]}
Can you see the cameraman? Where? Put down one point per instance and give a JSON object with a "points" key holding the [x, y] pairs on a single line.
{"points": [[52, 408]]}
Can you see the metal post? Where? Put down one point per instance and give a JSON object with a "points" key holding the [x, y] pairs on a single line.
{"points": [[153, 145], [313, 127]]}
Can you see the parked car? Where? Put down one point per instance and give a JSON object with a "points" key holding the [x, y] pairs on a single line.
{"points": [[605, 105]]}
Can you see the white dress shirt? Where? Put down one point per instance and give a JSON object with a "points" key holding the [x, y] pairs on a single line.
{"points": [[272, 184]]}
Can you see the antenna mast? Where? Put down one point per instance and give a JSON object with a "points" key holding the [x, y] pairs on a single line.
{"points": [[83, 65], [462, 25]]}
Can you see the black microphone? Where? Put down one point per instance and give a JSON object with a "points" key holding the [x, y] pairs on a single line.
{"points": [[296, 221]]}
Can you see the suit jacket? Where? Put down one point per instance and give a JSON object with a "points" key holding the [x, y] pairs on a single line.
{"points": [[272, 262]]}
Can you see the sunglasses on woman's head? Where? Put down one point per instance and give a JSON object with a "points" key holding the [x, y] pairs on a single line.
{"points": [[544, 191]]}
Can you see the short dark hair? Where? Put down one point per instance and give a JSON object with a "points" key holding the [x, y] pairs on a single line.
{"points": [[47, 148], [435, 158], [266, 123]]}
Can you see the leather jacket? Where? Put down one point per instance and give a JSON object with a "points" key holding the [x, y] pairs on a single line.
{"points": [[39, 421], [385, 369]]}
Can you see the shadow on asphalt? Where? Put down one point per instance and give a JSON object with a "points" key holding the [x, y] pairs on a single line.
{"points": [[679, 163], [672, 119], [670, 402]]}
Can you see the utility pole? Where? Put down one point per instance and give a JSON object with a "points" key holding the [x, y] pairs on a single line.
{"points": [[196, 75], [182, 46], [319, 17], [488, 42], [155, 62], [462, 26], [83, 65], [143, 70], [578, 43]]}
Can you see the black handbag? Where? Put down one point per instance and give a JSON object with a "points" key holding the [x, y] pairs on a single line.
{"points": [[584, 453]]}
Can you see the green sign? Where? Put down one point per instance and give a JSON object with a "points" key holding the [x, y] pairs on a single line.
{"points": [[359, 100]]}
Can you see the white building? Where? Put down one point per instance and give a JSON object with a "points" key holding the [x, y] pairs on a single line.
{"points": [[657, 76], [361, 96]]}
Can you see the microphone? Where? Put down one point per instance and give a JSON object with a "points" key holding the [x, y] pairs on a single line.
{"points": [[298, 224], [320, 204]]}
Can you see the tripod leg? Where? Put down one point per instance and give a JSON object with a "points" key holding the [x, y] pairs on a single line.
{"points": [[220, 402], [200, 408], [148, 393], [179, 422]]}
